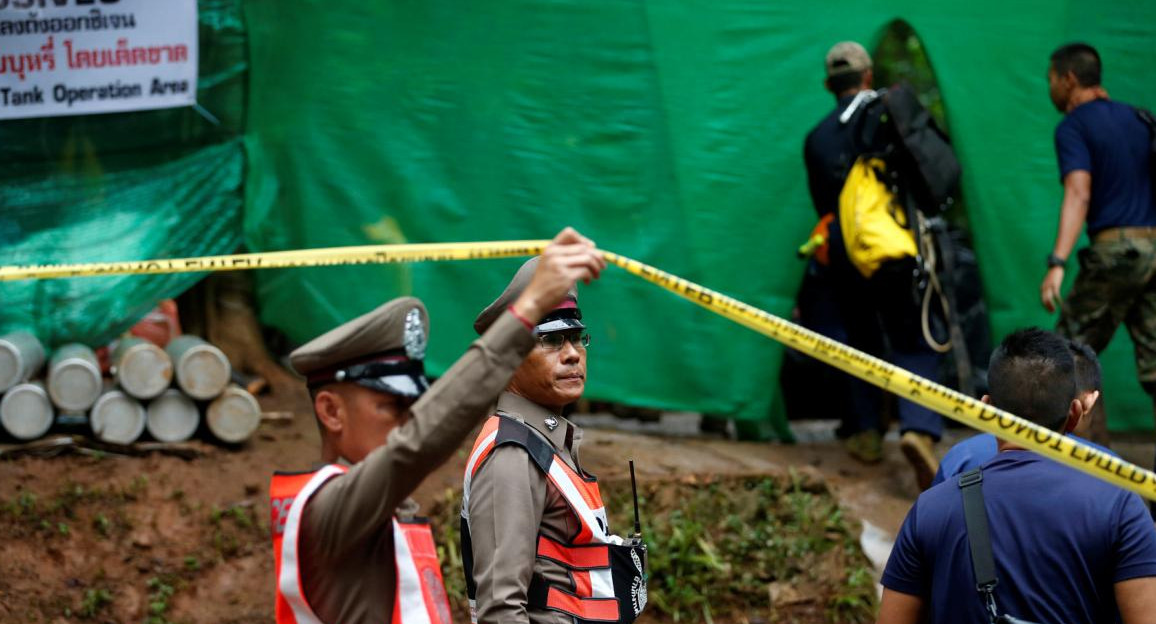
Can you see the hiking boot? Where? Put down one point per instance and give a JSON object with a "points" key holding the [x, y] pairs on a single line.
{"points": [[918, 448], [866, 446]]}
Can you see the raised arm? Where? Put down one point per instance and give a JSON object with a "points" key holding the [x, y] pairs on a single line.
{"points": [[349, 509]]}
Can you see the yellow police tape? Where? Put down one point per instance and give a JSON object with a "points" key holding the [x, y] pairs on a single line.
{"points": [[906, 385], [330, 256], [887, 376]]}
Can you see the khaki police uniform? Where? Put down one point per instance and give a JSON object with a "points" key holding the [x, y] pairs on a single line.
{"points": [[511, 502], [346, 552]]}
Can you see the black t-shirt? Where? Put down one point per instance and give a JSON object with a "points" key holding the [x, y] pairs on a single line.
{"points": [[832, 147]]}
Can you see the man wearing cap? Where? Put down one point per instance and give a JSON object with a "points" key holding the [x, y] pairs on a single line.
{"points": [[535, 542], [878, 315], [344, 551]]}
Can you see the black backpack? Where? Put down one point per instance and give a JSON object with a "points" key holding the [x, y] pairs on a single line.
{"points": [[924, 153], [894, 125]]}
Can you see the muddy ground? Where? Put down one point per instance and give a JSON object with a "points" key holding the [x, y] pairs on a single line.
{"points": [[105, 538]]}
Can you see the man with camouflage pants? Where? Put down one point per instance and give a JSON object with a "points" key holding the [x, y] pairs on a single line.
{"points": [[1103, 151]]}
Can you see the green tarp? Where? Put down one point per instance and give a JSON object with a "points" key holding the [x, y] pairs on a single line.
{"points": [[124, 186], [668, 131]]}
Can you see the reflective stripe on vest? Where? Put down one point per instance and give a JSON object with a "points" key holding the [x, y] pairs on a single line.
{"points": [[421, 596], [482, 448], [587, 558], [421, 592], [292, 608]]}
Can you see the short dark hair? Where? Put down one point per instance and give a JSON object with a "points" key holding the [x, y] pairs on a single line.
{"points": [[842, 82], [1081, 59], [1032, 374], [1088, 375]]}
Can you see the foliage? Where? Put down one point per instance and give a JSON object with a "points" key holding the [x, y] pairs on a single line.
{"points": [[51, 516], [901, 57], [161, 591], [742, 548], [234, 530], [95, 600]]}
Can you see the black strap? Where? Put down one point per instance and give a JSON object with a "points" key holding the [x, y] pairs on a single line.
{"points": [[468, 558], [538, 591], [512, 431], [979, 539], [978, 536]]}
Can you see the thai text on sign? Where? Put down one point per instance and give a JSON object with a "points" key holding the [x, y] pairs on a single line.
{"points": [[79, 57]]}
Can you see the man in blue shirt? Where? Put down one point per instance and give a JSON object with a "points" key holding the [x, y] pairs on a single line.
{"points": [[1068, 548], [978, 449], [1104, 151]]}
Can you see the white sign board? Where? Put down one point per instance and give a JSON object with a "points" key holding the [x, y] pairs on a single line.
{"points": [[78, 57]]}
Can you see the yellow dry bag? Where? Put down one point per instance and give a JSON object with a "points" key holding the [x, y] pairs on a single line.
{"points": [[874, 224]]}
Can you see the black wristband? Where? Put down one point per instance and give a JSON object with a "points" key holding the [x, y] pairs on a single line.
{"points": [[1056, 261]]}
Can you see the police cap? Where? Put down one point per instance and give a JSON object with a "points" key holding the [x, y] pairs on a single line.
{"points": [[383, 349], [564, 317]]}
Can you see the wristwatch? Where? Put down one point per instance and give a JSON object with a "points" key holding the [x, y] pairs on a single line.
{"points": [[1056, 261]]}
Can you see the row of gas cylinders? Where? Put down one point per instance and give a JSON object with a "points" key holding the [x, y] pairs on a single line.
{"points": [[168, 392]]}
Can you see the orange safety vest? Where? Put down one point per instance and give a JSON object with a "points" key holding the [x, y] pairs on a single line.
{"points": [[607, 573], [421, 595]]}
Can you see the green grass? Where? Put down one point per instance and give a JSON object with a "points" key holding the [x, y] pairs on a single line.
{"points": [[161, 590], [95, 600], [53, 515], [721, 549], [235, 530]]}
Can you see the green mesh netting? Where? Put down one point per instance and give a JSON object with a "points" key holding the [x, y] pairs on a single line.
{"points": [[124, 186]]}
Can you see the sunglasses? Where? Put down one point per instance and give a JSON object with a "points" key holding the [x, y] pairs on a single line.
{"points": [[554, 341]]}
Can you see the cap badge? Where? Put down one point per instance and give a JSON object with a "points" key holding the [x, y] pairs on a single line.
{"points": [[415, 340], [551, 423]]}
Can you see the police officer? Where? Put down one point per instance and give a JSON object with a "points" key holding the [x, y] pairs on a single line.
{"points": [[341, 555], [535, 542]]}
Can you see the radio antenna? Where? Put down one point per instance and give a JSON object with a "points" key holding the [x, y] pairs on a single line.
{"points": [[634, 491]]}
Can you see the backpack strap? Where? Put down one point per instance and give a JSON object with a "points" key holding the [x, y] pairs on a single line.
{"points": [[979, 538], [513, 431]]}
